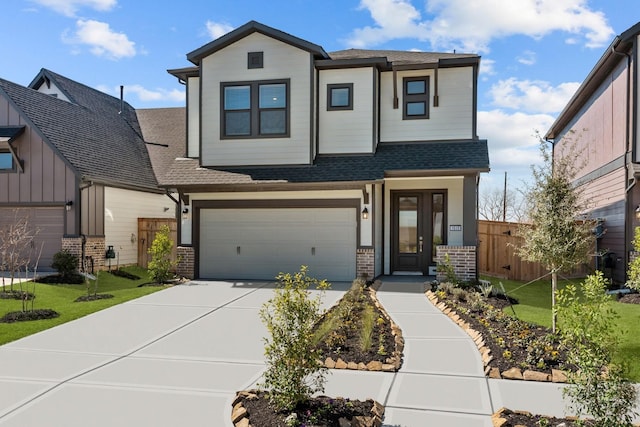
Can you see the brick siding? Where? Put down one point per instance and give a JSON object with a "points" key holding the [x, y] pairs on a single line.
{"points": [[186, 262], [463, 260], [365, 263], [94, 249]]}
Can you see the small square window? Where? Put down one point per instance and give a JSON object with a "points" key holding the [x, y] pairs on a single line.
{"points": [[6, 160], [340, 96], [255, 60]]}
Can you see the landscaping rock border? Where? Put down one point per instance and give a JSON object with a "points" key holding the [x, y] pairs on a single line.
{"points": [[392, 363], [239, 415], [514, 373]]}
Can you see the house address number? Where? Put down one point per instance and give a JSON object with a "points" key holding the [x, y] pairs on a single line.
{"points": [[455, 228]]}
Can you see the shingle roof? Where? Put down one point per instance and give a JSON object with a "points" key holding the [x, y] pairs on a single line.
{"points": [[401, 56], [164, 129], [436, 157], [98, 142]]}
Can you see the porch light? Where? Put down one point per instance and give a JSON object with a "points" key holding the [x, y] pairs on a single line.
{"points": [[638, 212], [365, 213], [185, 213], [68, 205]]}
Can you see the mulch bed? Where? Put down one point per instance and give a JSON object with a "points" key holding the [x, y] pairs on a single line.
{"points": [[321, 411], [121, 273], [58, 279], [16, 295], [93, 297], [22, 316], [525, 419], [630, 299]]}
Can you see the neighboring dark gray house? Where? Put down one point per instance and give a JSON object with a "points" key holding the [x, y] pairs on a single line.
{"points": [[73, 159], [358, 162]]}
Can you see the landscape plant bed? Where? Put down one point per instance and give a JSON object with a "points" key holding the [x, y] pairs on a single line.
{"points": [[630, 299], [17, 295], [508, 418], [510, 348], [341, 331], [93, 297], [23, 316], [59, 279], [123, 273], [251, 408]]}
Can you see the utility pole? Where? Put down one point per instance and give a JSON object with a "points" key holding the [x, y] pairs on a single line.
{"points": [[504, 199]]}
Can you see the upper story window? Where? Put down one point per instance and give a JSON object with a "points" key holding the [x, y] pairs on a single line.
{"points": [[6, 160], [255, 109], [415, 98], [340, 96]]}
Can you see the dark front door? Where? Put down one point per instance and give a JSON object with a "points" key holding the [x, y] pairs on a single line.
{"points": [[418, 227]]}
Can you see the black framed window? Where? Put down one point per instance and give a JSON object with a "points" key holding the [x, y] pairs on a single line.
{"points": [[255, 109], [415, 98], [6, 160], [255, 60], [340, 96]]}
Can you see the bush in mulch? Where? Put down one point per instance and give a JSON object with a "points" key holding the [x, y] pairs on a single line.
{"points": [[58, 279], [525, 419], [121, 273], [22, 316], [17, 295], [93, 297]]}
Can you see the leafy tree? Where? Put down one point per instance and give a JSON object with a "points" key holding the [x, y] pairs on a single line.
{"points": [[555, 238], [634, 266], [161, 264], [293, 371], [588, 327]]}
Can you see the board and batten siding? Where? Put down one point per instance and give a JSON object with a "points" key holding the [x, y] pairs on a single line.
{"points": [[281, 61], [193, 117], [451, 120], [122, 210], [347, 131]]}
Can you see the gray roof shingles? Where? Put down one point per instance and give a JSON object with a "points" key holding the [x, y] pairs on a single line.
{"points": [[98, 142]]}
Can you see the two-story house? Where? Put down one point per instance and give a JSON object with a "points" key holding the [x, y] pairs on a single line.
{"points": [[73, 160], [601, 121], [357, 162]]}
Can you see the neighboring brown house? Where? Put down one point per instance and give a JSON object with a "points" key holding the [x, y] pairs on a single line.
{"points": [[601, 119], [74, 160], [357, 162]]}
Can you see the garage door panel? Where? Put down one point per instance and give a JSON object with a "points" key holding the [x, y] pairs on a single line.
{"points": [[271, 241]]}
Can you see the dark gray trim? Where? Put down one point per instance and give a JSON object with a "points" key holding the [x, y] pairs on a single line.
{"points": [[332, 64], [182, 74], [416, 98], [250, 28], [255, 60], [331, 87], [254, 109], [470, 211], [375, 108], [474, 119], [603, 170], [314, 133]]}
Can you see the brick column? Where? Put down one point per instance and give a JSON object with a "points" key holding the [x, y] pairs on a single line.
{"points": [[186, 262], [94, 247], [365, 263], [463, 260]]}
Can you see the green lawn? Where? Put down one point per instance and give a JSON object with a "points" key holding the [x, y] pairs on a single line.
{"points": [[535, 307], [61, 299]]}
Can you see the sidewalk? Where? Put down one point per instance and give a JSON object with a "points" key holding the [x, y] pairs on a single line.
{"points": [[177, 357]]}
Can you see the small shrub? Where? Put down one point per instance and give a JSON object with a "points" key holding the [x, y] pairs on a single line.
{"points": [[293, 373], [459, 294], [447, 269], [161, 264], [65, 263], [634, 265]]}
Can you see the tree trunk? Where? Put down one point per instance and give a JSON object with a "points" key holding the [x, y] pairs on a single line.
{"points": [[554, 288]]}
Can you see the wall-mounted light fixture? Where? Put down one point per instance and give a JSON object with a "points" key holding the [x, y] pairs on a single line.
{"points": [[638, 212], [185, 213], [68, 205], [365, 213]]}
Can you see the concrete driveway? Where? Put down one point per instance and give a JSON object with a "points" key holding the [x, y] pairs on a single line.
{"points": [[177, 357]]}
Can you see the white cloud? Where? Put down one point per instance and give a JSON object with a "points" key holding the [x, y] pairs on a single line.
{"points": [[532, 96], [144, 94], [487, 68], [102, 40], [527, 57], [471, 26], [70, 7], [218, 29]]}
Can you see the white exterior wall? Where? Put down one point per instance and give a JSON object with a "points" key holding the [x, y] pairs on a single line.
{"points": [[121, 212], [53, 90], [193, 117], [366, 227], [348, 131], [452, 119], [281, 61], [454, 187]]}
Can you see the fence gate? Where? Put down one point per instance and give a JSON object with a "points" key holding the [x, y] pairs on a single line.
{"points": [[147, 230]]}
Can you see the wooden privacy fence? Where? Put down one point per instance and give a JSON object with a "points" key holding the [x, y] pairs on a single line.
{"points": [[497, 254], [147, 230]]}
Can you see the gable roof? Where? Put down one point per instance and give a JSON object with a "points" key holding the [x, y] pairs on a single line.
{"points": [[97, 142], [164, 129], [250, 28], [421, 159], [620, 47]]}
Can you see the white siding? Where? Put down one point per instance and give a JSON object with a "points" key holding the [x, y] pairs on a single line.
{"points": [[281, 61], [122, 210], [193, 118], [53, 90], [347, 131], [452, 119]]}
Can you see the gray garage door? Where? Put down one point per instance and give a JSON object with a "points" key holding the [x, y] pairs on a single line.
{"points": [[260, 243], [50, 224]]}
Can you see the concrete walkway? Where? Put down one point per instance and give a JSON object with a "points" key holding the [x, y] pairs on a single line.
{"points": [[177, 357]]}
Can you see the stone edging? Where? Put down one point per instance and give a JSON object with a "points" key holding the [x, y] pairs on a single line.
{"points": [[392, 363], [556, 376], [239, 414]]}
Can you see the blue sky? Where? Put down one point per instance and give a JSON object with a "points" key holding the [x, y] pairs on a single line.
{"points": [[534, 53]]}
